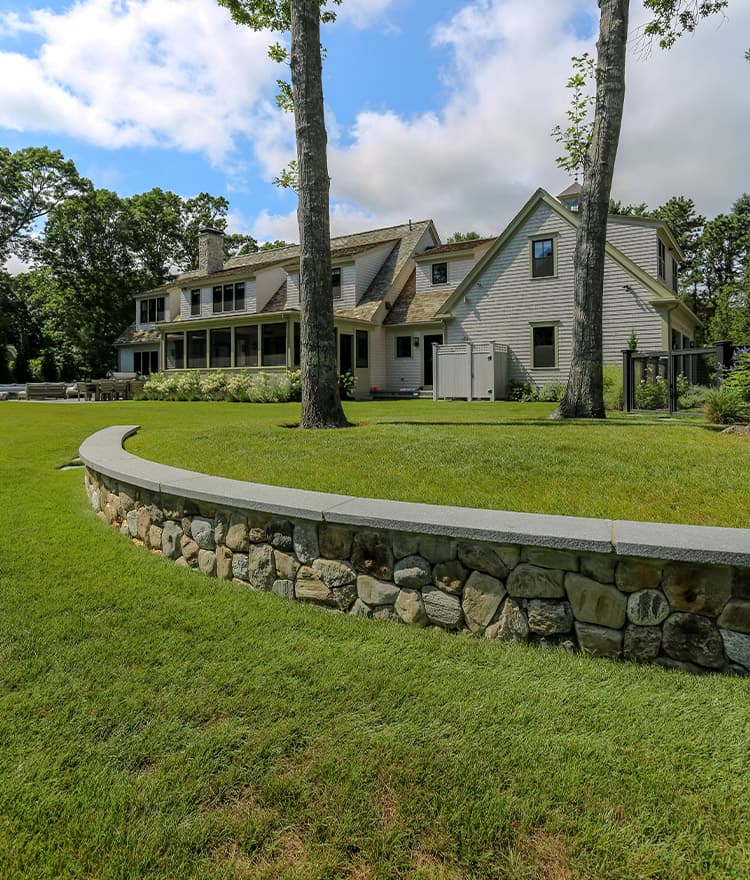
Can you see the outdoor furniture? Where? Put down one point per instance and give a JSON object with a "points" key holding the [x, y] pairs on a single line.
{"points": [[45, 390], [86, 390], [105, 389]]}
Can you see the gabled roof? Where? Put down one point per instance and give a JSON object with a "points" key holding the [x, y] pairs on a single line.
{"points": [[456, 247], [651, 222], [661, 294]]}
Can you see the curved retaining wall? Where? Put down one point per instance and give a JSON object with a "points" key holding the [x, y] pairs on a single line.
{"points": [[678, 596]]}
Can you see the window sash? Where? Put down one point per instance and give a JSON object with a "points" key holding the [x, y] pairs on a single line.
{"points": [[218, 299], [195, 303], [544, 347], [363, 349], [196, 350], [336, 286], [662, 260], [543, 258], [439, 273], [403, 346], [175, 351]]}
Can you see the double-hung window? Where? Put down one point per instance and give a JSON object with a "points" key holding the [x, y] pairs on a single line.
{"points": [[403, 346], [662, 260], [195, 303], [544, 346], [336, 283], [543, 258]]}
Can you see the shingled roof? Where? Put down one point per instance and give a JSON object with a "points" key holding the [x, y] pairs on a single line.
{"points": [[416, 308], [133, 336], [456, 247]]}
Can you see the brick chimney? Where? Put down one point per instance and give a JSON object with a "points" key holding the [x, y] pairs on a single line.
{"points": [[210, 250]]}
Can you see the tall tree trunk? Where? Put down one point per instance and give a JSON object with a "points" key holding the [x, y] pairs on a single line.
{"points": [[321, 403], [584, 396]]}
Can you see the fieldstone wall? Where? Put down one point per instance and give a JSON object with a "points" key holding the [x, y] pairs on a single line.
{"points": [[676, 614]]}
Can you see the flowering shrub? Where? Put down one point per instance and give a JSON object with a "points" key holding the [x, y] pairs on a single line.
{"points": [[651, 394], [220, 385]]}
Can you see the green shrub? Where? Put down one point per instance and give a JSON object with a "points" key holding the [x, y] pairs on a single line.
{"points": [[691, 396], [552, 392], [738, 378], [612, 382], [221, 385], [651, 394], [725, 406], [347, 381], [521, 391]]}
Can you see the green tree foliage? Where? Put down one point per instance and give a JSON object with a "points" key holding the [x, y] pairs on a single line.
{"points": [[458, 237], [33, 181], [88, 249], [623, 210], [156, 233], [321, 403], [577, 136], [202, 210]]}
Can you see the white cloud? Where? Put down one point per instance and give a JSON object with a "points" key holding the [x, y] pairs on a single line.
{"points": [[473, 164], [362, 13], [175, 73]]}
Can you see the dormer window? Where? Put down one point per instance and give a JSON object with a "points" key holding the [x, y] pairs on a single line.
{"points": [[675, 275], [336, 283], [195, 303], [229, 297], [152, 310], [662, 261], [439, 273]]}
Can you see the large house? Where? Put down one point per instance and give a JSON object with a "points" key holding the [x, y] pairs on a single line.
{"points": [[399, 290]]}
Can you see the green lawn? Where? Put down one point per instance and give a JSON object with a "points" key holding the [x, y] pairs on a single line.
{"points": [[157, 724], [501, 455]]}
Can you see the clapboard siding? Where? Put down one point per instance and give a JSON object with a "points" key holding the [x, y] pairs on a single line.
{"points": [[402, 372], [292, 290], [636, 242], [207, 301], [457, 271], [505, 302], [348, 298], [378, 374]]}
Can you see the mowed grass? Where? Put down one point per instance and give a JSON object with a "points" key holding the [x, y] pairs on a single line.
{"points": [[496, 455], [158, 724]]}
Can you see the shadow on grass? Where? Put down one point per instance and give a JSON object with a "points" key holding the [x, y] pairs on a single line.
{"points": [[533, 423]]}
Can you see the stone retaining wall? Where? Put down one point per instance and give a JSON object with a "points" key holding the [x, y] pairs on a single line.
{"points": [[689, 615]]}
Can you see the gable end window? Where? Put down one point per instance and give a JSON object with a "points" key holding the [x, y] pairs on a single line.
{"points": [[675, 275], [439, 273], [336, 283], [544, 346], [662, 261], [403, 346], [543, 258]]}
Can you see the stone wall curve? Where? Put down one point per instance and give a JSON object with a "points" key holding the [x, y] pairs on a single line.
{"points": [[678, 596]]}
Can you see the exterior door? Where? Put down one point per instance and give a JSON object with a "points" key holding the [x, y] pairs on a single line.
{"points": [[346, 352], [427, 344]]}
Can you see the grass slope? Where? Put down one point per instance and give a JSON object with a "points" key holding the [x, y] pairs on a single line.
{"points": [[157, 724]]}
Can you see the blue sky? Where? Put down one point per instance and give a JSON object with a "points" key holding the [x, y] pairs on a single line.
{"points": [[439, 109]]}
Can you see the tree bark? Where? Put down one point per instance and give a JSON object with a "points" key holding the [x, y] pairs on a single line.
{"points": [[321, 403], [584, 395]]}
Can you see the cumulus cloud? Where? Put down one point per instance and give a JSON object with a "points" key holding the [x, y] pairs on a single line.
{"points": [[176, 73], [473, 164]]}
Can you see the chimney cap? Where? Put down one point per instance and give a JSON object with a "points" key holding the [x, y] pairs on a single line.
{"points": [[210, 229]]}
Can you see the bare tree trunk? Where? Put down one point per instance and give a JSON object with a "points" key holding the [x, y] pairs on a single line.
{"points": [[321, 403], [584, 396]]}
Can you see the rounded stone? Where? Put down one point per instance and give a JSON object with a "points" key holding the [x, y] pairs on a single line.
{"points": [[692, 638], [592, 602], [375, 592], [236, 537], [306, 545], [283, 587], [410, 607], [531, 582], [548, 618], [334, 573], [482, 597], [697, 589], [207, 562], [412, 572], [240, 566], [202, 531], [480, 557], [335, 541], [641, 643], [442, 608], [737, 647], [648, 607], [170, 540], [261, 568]]}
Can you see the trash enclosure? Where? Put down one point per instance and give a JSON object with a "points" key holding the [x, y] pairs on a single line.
{"points": [[470, 371]]}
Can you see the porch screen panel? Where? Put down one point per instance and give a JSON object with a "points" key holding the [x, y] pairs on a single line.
{"points": [[221, 348], [273, 345], [196, 350], [175, 347], [246, 346]]}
